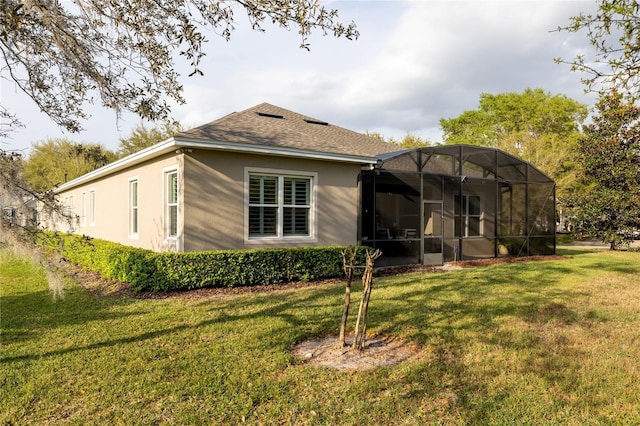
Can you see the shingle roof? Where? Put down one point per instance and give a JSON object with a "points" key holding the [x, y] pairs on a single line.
{"points": [[267, 125]]}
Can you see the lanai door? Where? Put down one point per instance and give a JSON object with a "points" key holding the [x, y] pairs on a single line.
{"points": [[432, 247]]}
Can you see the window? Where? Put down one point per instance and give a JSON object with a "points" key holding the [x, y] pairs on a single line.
{"points": [[468, 214], [133, 207], [296, 206], [279, 206], [92, 207], [171, 196], [84, 209], [263, 206], [69, 205]]}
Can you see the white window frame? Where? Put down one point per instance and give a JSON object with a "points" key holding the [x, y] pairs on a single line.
{"points": [[134, 210], [92, 207], [166, 173], [83, 209], [280, 237], [68, 204]]}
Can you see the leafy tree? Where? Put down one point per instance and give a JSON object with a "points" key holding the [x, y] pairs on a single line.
{"points": [[142, 137], [376, 135], [14, 191], [121, 53], [8, 121], [409, 141], [55, 161], [614, 33], [18, 200], [20, 210], [606, 204], [536, 126]]}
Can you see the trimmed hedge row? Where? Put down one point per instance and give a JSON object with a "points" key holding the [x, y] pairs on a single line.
{"points": [[146, 270]]}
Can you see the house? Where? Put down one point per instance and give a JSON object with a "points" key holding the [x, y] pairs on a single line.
{"points": [[270, 177], [263, 177], [20, 210]]}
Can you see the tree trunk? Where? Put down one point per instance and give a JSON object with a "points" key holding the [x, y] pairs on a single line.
{"points": [[348, 266], [367, 285]]}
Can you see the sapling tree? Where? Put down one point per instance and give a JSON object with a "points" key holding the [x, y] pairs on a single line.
{"points": [[367, 285], [349, 264]]}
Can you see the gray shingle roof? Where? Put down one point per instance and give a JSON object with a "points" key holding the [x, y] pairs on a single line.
{"points": [[272, 126]]}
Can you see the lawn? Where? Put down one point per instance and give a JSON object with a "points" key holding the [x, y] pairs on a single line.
{"points": [[552, 342]]}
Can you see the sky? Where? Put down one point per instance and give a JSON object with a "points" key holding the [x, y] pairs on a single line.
{"points": [[414, 63]]}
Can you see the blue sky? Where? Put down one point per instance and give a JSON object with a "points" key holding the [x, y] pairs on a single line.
{"points": [[414, 63]]}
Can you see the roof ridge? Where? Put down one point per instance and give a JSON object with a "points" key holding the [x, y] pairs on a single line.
{"points": [[271, 125]]}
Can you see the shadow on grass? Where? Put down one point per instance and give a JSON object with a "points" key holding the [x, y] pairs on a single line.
{"points": [[44, 315], [453, 315], [451, 312], [28, 316], [442, 310]]}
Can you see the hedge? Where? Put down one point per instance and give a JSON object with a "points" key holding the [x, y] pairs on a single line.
{"points": [[146, 270]]}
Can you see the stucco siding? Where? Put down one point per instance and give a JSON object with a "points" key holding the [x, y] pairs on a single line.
{"points": [[215, 213], [212, 204], [110, 219]]}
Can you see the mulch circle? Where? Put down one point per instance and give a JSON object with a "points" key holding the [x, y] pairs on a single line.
{"points": [[379, 351]]}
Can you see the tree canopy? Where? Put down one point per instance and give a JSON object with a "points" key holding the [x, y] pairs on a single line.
{"points": [[614, 33], [533, 125], [409, 141], [121, 54], [21, 206], [55, 161], [142, 137], [606, 203]]}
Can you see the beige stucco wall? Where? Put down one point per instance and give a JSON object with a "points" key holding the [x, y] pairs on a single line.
{"points": [[112, 205], [211, 209], [215, 215]]}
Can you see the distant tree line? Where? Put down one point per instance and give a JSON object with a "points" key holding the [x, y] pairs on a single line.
{"points": [[55, 161]]}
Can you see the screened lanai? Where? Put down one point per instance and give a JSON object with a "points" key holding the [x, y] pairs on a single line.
{"points": [[456, 202]]}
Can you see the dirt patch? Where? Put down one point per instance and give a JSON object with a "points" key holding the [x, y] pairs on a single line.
{"points": [[379, 351]]}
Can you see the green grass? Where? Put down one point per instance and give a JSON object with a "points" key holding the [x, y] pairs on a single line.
{"points": [[553, 342]]}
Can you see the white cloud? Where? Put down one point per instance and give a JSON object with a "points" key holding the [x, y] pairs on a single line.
{"points": [[414, 63], [441, 56]]}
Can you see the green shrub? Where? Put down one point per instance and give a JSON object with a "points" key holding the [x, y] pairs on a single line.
{"points": [[146, 270]]}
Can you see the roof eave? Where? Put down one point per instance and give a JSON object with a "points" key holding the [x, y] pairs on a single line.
{"points": [[131, 160], [272, 150], [175, 143]]}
